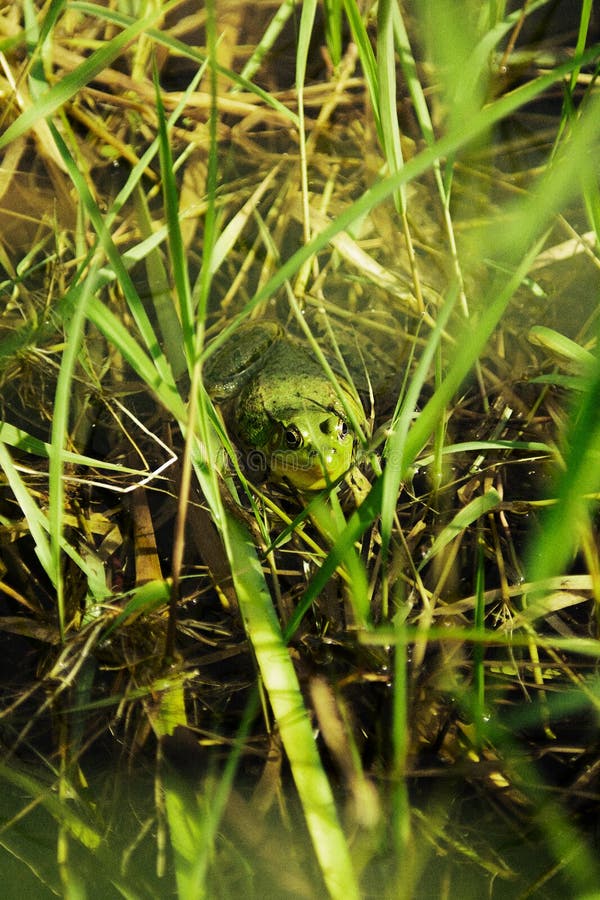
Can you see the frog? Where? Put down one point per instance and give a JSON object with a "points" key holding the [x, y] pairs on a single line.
{"points": [[296, 426]]}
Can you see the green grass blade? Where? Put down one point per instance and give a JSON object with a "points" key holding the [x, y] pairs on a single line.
{"points": [[388, 116], [307, 19], [144, 599], [366, 56], [160, 291], [281, 683], [176, 247], [409, 69], [36, 521], [584, 24], [478, 689], [274, 29], [576, 485], [429, 416], [332, 10], [60, 429], [194, 820], [22, 440], [327, 514], [563, 348], [401, 812], [55, 8], [39, 526], [202, 288], [357, 524]]}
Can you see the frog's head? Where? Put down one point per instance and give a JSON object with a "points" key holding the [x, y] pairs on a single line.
{"points": [[297, 428], [310, 449]]}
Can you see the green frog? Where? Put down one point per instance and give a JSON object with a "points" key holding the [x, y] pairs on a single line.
{"points": [[295, 425]]}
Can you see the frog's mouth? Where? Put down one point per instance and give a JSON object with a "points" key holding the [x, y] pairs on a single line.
{"points": [[308, 472]]}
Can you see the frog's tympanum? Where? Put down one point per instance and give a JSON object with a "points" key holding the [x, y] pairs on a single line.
{"points": [[294, 424]]}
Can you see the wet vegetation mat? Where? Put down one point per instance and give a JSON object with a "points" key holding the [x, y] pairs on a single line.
{"points": [[299, 438]]}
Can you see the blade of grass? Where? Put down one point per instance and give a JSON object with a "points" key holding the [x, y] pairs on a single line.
{"points": [[387, 635], [22, 440], [333, 29], [307, 19], [65, 814], [366, 56], [397, 464], [329, 518], [30, 510], [284, 693], [400, 741], [559, 533], [176, 247], [59, 432], [584, 25], [417, 94], [200, 413], [478, 689], [160, 291], [274, 29], [388, 116]]}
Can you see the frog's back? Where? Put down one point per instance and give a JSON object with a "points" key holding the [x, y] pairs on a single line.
{"points": [[289, 378], [240, 358]]}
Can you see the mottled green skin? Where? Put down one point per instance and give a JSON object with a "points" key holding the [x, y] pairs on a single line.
{"points": [[287, 410], [244, 352]]}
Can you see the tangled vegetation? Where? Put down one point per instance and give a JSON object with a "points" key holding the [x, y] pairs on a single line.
{"points": [[214, 681]]}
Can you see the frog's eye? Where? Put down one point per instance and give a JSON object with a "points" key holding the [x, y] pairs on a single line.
{"points": [[341, 429], [292, 437]]}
